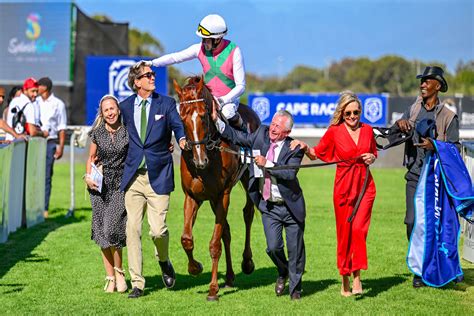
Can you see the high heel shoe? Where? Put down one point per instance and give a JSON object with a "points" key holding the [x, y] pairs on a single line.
{"points": [[121, 284], [109, 284]]}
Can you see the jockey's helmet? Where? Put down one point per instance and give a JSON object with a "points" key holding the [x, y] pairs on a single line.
{"points": [[212, 26]]}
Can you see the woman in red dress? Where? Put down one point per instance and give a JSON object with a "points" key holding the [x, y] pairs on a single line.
{"points": [[348, 138]]}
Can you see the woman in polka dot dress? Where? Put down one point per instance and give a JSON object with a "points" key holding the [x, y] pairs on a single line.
{"points": [[109, 146]]}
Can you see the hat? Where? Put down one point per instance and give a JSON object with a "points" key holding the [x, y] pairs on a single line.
{"points": [[435, 73], [45, 81], [30, 83], [391, 136], [426, 128]]}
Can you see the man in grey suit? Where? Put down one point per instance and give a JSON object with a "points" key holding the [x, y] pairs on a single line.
{"points": [[277, 195]]}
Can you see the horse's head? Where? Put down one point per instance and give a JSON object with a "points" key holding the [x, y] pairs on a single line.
{"points": [[195, 111]]}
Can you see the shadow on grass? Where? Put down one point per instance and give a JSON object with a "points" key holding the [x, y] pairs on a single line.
{"points": [[260, 277], [243, 282], [373, 287], [21, 243]]}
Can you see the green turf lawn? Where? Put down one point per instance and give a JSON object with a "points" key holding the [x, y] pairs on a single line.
{"points": [[56, 268]]}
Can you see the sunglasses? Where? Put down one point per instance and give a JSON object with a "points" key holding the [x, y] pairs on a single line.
{"points": [[147, 74], [349, 113]]}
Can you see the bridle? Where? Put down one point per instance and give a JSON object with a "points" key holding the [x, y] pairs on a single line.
{"points": [[207, 141]]}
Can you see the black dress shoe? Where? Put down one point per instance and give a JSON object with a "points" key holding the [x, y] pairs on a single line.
{"points": [[136, 293], [280, 286], [167, 274], [418, 282], [296, 296]]}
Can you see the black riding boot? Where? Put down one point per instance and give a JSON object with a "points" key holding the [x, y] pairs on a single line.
{"points": [[237, 123]]}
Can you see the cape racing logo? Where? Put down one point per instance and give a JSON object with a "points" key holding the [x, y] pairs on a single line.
{"points": [[261, 106], [373, 109], [118, 78]]}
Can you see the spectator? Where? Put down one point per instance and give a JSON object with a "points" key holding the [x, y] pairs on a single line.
{"points": [[278, 196], [347, 137], [22, 116], [109, 145], [148, 178], [53, 118], [14, 92], [426, 107]]}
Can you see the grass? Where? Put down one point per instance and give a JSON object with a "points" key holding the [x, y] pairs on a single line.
{"points": [[54, 267]]}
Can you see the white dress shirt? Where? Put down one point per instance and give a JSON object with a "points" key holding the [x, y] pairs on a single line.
{"points": [[52, 115], [137, 112], [275, 195]]}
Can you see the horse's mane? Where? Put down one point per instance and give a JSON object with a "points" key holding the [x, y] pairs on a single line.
{"points": [[192, 82]]}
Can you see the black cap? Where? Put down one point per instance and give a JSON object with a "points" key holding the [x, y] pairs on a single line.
{"points": [[435, 73], [45, 81]]}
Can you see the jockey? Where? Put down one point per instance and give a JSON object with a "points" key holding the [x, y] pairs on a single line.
{"points": [[222, 63]]}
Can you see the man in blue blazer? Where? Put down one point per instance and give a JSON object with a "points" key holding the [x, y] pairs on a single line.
{"points": [[148, 177], [278, 195]]}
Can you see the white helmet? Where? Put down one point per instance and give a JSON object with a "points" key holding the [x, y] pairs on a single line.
{"points": [[212, 26]]}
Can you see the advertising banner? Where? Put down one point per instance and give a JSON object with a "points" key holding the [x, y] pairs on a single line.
{"points": [[109, 75], [35, 41], [317, 109]]}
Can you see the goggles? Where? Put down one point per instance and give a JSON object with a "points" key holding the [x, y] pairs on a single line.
{"points": [[205, 32]]}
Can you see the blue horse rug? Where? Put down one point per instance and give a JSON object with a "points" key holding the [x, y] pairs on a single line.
{"points": [[444, 191]]}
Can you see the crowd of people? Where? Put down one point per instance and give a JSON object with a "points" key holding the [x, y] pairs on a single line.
{"points": [[34, 110], [130, 144]]}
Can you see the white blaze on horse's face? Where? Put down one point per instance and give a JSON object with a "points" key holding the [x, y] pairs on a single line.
{"points": [[200, 160]]}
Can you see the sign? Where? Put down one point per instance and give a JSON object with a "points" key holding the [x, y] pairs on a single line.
{"points": [[317, 109], [109, 75], [35, 41]]}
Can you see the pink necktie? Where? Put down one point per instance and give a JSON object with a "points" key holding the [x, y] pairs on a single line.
{"points": [[268, 182]]}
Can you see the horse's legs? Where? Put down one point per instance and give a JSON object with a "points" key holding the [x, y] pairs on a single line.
{"points": [[226, 238], [191, 207], [215, 246], [247, 263]]}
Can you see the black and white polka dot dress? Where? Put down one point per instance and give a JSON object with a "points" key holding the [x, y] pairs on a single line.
{"points": [[108, 207]]}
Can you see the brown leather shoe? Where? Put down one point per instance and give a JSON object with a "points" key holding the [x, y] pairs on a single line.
{"points": [[296, 296], [280, 286]]}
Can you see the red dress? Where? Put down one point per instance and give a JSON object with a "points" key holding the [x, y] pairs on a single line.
{"points": [[337, 144]]}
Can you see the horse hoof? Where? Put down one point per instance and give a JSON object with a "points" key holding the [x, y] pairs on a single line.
{"points": [[248, 266], [212, 298], [195, 269], [229, 284]]}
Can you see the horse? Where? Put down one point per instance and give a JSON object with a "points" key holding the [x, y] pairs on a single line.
{"points": [[209, 169]]}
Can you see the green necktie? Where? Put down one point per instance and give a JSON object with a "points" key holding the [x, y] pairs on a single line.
{"points": [[143, 122]]}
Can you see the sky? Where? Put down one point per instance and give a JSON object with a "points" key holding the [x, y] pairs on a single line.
{"points": [[276, 35]]}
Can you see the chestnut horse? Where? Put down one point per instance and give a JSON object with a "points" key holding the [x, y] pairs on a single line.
{"points": [[209, 169]]}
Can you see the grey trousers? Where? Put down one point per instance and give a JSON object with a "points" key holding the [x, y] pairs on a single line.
{"points": [[275, 218]]}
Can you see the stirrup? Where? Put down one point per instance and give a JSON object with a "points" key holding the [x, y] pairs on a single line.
{"points": [[108, 280]]}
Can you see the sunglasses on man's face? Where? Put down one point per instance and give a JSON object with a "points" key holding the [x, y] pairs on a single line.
{"points": [[349, 113], [147, 74]]}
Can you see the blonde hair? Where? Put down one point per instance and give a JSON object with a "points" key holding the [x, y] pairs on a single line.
{"points": [[99, 119], [345, 97]]}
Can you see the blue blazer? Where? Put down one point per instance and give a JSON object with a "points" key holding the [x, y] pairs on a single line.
{"points": [[162, 120], [287, 181]]}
